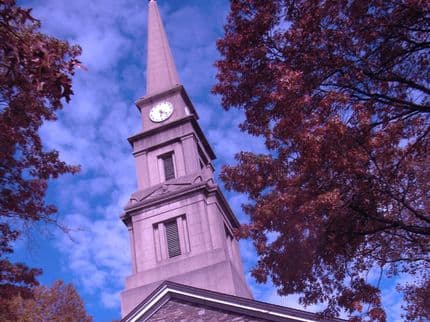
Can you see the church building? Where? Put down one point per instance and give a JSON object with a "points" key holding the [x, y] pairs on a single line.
{"points": [[186, 263]]}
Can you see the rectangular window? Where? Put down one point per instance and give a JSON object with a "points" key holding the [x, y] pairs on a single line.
{"points": [[169, 170], [172, 238]]}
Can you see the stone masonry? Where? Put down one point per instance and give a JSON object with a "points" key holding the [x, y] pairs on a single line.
{"points": [[182, 311]]}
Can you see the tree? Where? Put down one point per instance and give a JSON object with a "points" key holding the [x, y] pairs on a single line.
{"points": [[339, 90], [60, 302], [35, 78]]}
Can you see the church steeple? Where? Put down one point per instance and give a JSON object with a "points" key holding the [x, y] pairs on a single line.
{"points": [[180, 225], [161, 71]]}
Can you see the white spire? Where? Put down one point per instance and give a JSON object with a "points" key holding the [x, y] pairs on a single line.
{"points": [[161, 71]]}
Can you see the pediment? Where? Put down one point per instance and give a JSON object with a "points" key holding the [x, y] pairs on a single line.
{"points": [[178, 302], [171, 186]]}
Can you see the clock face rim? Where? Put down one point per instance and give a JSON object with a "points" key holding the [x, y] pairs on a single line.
{"points": [[162, 116]]}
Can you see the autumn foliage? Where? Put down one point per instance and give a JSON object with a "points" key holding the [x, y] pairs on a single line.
{"points": [[35, 79], [58, 303], [340, 92]]}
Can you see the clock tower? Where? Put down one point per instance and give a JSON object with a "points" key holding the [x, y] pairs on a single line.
{"points": [[180, 225]]}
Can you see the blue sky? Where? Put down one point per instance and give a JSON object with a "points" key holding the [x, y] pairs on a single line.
{"points": [[92, 131]]}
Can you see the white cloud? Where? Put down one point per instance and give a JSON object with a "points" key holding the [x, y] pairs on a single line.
{"points": [[98, 252], [110, 300], [102, 49]]}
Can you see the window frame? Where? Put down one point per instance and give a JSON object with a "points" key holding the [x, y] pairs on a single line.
{"points": [[162, 164], [161, 238], [173, 241]]}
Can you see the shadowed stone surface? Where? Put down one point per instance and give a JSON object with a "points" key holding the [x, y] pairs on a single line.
{"points": [[182, 311]]}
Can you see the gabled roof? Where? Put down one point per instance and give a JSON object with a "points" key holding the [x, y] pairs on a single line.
{"points": [[169, 290]]}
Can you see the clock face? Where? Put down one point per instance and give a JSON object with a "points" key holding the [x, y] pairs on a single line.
{"points": [[160, 112]]}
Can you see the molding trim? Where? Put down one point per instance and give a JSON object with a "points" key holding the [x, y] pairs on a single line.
{"points": [[187, 119], [169, 290]]}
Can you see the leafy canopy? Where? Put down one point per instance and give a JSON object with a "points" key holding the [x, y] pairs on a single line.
{"points": [[60, 302], [35, 79], [340, 92]]}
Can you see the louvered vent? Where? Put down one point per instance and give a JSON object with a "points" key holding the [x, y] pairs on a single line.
{"points": [[169, 171], [172, 236]]}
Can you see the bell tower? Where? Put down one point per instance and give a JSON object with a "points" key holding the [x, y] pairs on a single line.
{"points": [[180, 225]]}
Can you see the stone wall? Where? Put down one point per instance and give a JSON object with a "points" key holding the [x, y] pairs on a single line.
{"points": [[181, 311]]}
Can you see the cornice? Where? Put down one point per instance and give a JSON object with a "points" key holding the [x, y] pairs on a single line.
{"points": [[176, 189], [187, 119]]}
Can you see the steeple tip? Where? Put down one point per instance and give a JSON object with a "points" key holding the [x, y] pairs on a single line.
{"points": [[161, 71]]}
